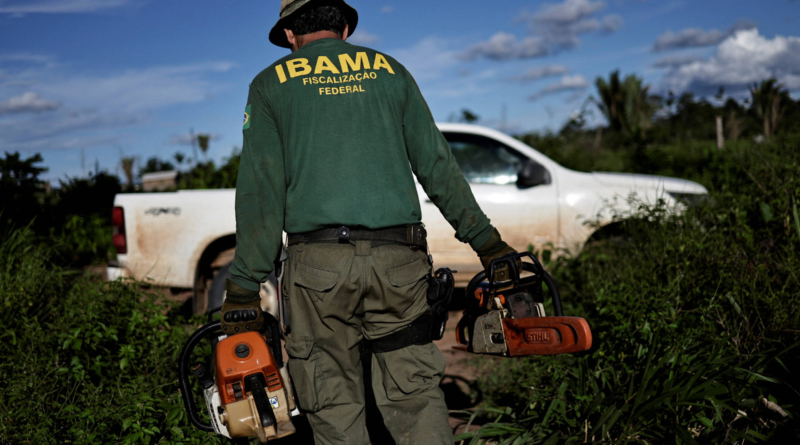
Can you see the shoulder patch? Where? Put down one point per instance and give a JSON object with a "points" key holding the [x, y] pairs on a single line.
{"points": [[246, 118]]}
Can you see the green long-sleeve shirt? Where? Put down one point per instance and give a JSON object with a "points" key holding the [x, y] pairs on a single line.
{"points": [[332, 134]]}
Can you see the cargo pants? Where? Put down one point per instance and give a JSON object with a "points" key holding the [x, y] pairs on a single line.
{"points": [[336, 294]]}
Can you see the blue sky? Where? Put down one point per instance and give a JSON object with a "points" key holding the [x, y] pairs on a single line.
{"points": [[94, 79]]}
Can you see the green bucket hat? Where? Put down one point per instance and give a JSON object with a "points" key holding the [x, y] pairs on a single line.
{"points": [[293, 8]]}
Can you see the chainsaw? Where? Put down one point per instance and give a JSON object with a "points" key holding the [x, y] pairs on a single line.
{"points": [[249, 393], [507, 318]]}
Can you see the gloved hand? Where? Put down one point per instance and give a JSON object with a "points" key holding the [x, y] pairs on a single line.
{"points": [[241, 310], [493, 249]]}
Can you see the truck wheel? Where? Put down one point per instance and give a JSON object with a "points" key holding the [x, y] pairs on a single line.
{"points": [[216, 292]]}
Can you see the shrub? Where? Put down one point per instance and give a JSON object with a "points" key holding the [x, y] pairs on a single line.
{"points": [[695, 318], [85, 361]]}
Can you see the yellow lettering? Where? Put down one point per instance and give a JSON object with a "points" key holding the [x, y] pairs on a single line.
{"points": [[381, 62], [328, 90], [361, 58], [348, 89], [335, 91], [298, 67], [361, 88], [373, 75], [321, 91], [305, 80], [281, 74], [325, 64], [358, 77], [341, 90]]}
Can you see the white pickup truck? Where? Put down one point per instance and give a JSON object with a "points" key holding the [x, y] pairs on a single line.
{"points": [[186, 239]]}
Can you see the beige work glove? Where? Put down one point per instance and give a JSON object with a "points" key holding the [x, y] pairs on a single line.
{"points": [[493, 249], [241, 310]]}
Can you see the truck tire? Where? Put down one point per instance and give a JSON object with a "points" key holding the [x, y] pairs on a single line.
{"points": [[216, 292]]}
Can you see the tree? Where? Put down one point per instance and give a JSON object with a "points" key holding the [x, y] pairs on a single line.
{"points": [[155, 164], [20, 187], [202, 141], [768, 99], [627, 104], [127, 168]]}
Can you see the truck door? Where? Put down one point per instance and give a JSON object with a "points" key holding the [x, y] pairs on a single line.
{"points": [[524, 217]]}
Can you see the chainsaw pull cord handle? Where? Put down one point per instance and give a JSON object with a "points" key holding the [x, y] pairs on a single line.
{"points": [[183, 375]]}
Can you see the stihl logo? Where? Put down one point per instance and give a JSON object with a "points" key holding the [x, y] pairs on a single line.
{"points": [[537, 337]]}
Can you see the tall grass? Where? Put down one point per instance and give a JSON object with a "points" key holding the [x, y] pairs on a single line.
{"points": [[696, 320], [83, 361]]}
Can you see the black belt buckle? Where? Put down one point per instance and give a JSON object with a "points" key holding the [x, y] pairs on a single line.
{"points": [[344, 234], [415, 235]]}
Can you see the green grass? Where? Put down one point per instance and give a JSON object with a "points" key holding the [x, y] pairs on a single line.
{"points": [[84, 361], [695, 319]]}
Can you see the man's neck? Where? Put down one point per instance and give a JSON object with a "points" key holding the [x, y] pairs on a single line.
{"points": [[308, 38]]}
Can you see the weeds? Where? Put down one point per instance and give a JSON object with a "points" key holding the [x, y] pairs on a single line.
{"points": [[695, 316], [84, 361]]}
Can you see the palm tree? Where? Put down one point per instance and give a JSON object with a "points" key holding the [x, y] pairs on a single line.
{"points": [[202, 141], [127, 168], [768, 99], [627, 104]]}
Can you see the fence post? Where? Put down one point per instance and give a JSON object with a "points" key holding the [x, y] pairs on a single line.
{"points": [[720, 137]]}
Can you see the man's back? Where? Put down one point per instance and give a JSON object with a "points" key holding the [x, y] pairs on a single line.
{"points": [[338, 110]]}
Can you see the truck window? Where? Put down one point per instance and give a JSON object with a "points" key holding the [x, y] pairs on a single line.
{"points": [[484, 160]]}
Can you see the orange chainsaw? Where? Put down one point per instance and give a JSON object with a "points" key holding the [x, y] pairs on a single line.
{"points": [[507, 318], [249, 392]]}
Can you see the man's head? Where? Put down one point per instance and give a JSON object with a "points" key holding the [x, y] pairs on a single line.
{"points": [[302, 21], [315, 23]]}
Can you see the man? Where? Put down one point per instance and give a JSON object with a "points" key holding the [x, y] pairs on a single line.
{"points": [[333, 134]]}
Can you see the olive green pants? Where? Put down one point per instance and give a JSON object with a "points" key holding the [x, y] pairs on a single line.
{"points": [[337, 294]]}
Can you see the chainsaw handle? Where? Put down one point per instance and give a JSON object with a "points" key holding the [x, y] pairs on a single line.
{"points": [[183, 375], [511, 261]]}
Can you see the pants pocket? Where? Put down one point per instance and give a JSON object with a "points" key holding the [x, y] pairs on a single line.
{"points": [[410, 371], [304, 368], [317, 282]]}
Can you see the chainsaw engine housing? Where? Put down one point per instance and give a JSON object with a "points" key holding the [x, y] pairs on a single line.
{"points": [[250, 394]]}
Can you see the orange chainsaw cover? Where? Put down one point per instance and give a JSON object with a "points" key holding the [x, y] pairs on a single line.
{"points": [[239, 356], [546, 335]]}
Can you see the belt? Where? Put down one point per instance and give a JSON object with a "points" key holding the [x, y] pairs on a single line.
{"points": [[413, 235]]}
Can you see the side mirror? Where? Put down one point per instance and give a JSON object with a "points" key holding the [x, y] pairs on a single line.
{"points": [[532, 174]]}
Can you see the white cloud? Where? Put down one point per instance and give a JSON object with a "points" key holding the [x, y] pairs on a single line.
{"points": [[427, 59], [64, 129], [567, 83], [387, 9], [504, 46], [741, 59], [696, 37], [361, 37], [29, 102], [674, 61], [555, 27], [95, 106], [59, 6], [137, 90], [188, 139], [541, 72]]}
